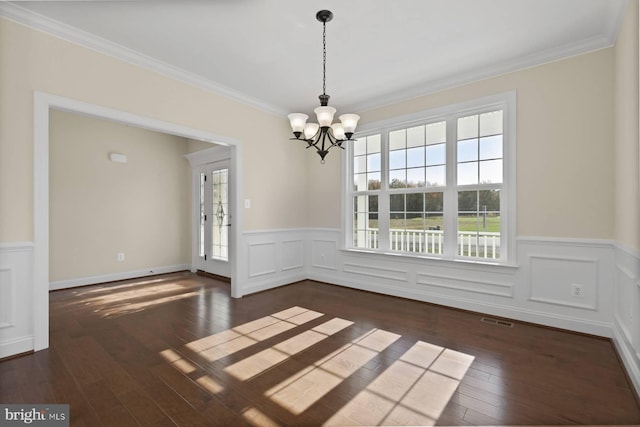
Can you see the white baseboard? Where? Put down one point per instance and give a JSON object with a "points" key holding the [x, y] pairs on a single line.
{"points": [[273, 283], [630, 359], [92, 280], [16, 346]]}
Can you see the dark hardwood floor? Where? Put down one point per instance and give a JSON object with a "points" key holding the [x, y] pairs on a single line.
{"points": [[178, 350]]}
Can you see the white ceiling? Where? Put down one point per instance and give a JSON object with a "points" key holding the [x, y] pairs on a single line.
{"points": [[269, 52]]}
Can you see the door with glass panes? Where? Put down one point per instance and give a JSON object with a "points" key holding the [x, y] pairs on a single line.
{"points": [[215, 219]]}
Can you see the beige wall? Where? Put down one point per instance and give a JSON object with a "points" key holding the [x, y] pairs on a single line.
{"points": [[323, 198], [565, 136], [34, 61], [565, 145], [627, 162], [99, 208]]}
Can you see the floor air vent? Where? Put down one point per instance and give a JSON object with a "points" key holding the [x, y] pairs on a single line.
{"points": [[497, 322]]}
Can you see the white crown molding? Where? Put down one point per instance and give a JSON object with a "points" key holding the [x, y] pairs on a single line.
{"points": [[516, 64], [71, 34], [606, 39]]}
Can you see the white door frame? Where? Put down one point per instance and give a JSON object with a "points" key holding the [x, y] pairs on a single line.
{"points": [[43, 102], [199, 161]]}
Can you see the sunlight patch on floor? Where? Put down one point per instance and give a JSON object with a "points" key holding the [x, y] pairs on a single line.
{"points": [[227, 342], [142, 292], [133, 297], [217, 346], [266, 359], [112, 288], [128, 308], [209, 384], [257, 418], [177, 361], [414, 390], [303, 389]]}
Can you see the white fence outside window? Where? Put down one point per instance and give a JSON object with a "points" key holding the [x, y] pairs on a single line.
{"points": [[481, 244]]}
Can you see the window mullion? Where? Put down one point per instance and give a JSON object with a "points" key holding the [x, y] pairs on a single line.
{"points": [[450, 193], [383, 199]]}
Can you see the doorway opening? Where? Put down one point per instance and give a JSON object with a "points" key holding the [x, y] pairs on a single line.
{"points": [[43, 103]]}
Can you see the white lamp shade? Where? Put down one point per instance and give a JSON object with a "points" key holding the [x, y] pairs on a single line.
{"points": [[349, 122], [338, 131], [310, 129], [325, 115], [297, 121]]}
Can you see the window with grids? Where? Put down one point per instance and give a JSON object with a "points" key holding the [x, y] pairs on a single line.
{"points": [[366, 179], [435, 188]]}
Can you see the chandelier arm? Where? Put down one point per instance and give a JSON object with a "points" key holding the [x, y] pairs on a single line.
{"points": [[323, 137], [335, 142], [324, 149], [313, 141], [333, 139]]}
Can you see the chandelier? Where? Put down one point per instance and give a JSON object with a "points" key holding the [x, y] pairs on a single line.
{"points": [[323, 135]]}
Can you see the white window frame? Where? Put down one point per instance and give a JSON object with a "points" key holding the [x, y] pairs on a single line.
{"points": [[507, 102]]}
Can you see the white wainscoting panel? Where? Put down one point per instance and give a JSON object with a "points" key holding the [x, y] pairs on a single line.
{"points": [[536, 290], [273, 258], [16, 298], [324, 253], [552, 278], [365, 269], [262, 259], [466, 285], [7, 297], [627, 310], [292, 254], [549, 267]]}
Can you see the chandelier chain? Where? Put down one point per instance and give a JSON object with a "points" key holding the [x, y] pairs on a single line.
{"points": [[324, 58]]}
